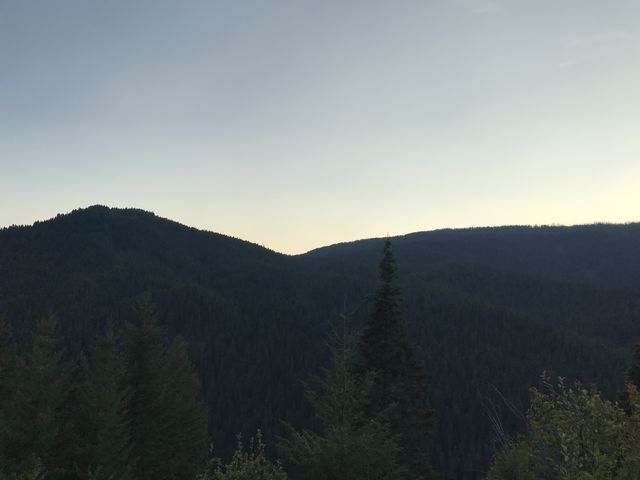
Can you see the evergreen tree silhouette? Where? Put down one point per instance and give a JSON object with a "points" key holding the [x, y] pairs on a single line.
{"points": [[398, 394]]}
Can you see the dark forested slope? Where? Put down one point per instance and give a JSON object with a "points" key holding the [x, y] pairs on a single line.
{"points": [[488, 310], [605, 254]]}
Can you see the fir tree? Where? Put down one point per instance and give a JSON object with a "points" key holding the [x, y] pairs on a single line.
{"points": [[35, 427], [184, 415], [349, 446], [144, 351], [106, 406], [398, 396], [167, 420], [134, 416], [74, 419]]}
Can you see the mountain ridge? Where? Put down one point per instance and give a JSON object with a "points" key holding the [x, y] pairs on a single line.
{"points": [[410, 236], [484, 311]]}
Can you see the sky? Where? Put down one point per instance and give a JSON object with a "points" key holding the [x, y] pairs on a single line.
{"points": [[296, 124]]}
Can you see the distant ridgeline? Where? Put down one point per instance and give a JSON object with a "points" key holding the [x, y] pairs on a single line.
{"points": [[488, 310]]}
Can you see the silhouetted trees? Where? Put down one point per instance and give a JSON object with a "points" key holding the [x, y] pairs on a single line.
{"points": [[349, 444], [166, 416], [107, 412], [133, 412], [486, 309], [397, 397], [36, 422]]}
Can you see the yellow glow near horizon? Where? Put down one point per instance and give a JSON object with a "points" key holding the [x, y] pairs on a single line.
{"points": [[301, 127]]}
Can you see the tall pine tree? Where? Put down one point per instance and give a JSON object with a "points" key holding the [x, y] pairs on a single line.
{"points": [[349, 446], [398, 394], [74, 420], [184, 415], [137, 415], [36, 424], [106, 406], [166, 414]]}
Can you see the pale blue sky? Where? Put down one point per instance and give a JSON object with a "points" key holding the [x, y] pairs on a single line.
{"points": [[296, 124]]}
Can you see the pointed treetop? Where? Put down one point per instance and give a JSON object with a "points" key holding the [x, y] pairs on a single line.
{"points": [[387, 264]]}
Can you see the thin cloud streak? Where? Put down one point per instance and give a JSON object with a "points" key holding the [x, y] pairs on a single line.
{"points": [[597, 46], [572, 62]]}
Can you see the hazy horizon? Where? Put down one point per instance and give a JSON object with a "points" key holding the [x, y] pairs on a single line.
{"points": [[297, 124], [347, 240]]}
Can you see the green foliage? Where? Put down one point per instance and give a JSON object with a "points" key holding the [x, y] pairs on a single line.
{"points": [[633, 374], [113, 418], [514, 462], [36, 421], [350, 445], [106, 399], [574, 434], [144, 355], [184, 416], [580, 431], [246, 464], [630, 448], [397, 396], [166, 416], [487, 309]]}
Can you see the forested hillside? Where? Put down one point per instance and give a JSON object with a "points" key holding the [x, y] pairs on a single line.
{"points": [[487, 309], [604, 254]]}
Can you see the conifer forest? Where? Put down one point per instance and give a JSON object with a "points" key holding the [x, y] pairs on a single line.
{"points": [[319, 240], [133, 347]]}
